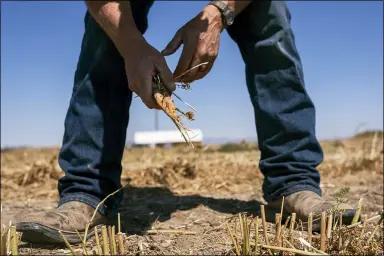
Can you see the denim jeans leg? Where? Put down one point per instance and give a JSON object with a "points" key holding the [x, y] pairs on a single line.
{"points": [[96, 120], [284, 112]]}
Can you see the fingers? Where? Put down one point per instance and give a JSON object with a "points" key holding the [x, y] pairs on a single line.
{"points": [[146, 82], [173, 45], [197, 73], [203, 70], [166, 76], [143, 94], [146, 93], [185, 59]]}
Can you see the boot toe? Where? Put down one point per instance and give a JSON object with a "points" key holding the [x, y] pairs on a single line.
{"points": [[70, 218]]}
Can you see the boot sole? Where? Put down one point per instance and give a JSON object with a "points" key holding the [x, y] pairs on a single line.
{"points": [[39, 234]]}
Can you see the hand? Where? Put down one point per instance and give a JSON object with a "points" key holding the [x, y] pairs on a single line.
{"points": [[200, 37], [142, 63]]}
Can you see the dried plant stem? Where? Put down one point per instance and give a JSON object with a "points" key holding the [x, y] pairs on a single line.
{"points": [[310, 228], [375, 229], [233, 240], [256, 233], [289, 243], [244, 233], [189, 105], [286, 223], [335, 223], [313, 248], [301, 225], [300, 252], [249, 232], [4, 234], [204, 63], [118, 223], [83, 245], [104, 234], [264, 222], [8, 243], [236, 230], [282, 207], [246, 245], [368, 220], [357, 213], [67, 243], [14, 241], [112, 244], [292, 226], [323, 231], [284, 230], [120, 240], [340, 226], [97, 207], [171, 231], [278, 228], [329, 226], [363, 230], [99, 251], [243, 225], [109, 230]]}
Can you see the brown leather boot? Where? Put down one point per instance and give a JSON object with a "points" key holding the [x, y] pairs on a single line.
{"points": [[43, 227], [303, 203]]}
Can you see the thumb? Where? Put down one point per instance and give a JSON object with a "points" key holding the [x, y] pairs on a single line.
{"points": [[173, 45]]}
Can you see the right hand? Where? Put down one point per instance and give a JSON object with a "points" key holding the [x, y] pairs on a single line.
{"points": [[142, 63]]}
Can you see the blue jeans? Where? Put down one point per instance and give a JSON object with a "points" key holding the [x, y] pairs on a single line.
{"points": [[98, 113]]}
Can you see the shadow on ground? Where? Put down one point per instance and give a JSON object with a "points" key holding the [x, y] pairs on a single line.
{"points": [[143, 206]]}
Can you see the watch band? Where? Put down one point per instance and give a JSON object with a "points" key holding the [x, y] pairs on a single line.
{"points": [[226, 12]]}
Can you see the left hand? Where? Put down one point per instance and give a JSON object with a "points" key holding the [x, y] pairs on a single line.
{"points": [[200, 37]]}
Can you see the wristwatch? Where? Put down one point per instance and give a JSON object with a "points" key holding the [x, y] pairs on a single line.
{"points": [[227, 14]]}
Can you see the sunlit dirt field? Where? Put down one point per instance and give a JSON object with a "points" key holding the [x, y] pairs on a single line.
{"points": [[182, 189]]}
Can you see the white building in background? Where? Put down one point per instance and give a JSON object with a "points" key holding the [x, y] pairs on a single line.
{"points": [[153, 138]]}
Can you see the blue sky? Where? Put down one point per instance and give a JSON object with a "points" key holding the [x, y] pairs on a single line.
{"points": [[341, 46]]}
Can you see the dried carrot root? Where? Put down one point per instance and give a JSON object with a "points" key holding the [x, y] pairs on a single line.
{"points": [[164, 100]]}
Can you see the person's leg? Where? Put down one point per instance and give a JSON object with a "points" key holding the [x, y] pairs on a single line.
{"points": [[94, 137], [284, 112]]}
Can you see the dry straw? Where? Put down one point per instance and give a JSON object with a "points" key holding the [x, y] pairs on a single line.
{"points": [[331, 237], [278, 228], [97, 239], [264, 222], [14, 241], [104, 234], [310, 228], [323, 231]]}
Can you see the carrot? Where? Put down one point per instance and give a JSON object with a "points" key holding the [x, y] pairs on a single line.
{"points": [[164, 100]]}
